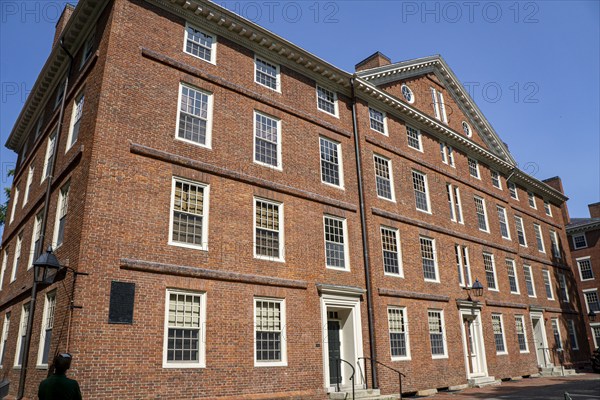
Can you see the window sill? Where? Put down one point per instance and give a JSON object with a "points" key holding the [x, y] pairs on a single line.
{"points": [[341, 187], [401, 276], [346, 269], [188, 246], [273, 364], [272, 259], [278, 167], [204, 146], [184, 366], [439, 357], [407, 358]]}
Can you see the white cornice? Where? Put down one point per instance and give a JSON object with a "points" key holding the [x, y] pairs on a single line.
{"points": [[590, 226]]}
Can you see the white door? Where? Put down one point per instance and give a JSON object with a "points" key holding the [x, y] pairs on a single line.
{"points": [[539, 341], [474, 350]]}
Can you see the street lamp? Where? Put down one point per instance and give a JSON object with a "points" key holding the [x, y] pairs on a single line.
{"points": [[592, 315], [46, 267], [476, 289]]}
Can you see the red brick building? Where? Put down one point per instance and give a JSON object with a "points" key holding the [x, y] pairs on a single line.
{"points": [[584, 242], [249, 213]]}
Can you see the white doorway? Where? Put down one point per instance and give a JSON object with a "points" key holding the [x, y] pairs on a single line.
{"points": [[539, 340], [473, 344]]}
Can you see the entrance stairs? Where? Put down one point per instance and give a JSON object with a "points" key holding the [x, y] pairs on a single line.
{"points": [[556, 371], [483, 381], [362, 394]]}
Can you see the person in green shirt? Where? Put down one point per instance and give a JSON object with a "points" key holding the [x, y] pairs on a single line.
{"points": [[58, 386]]}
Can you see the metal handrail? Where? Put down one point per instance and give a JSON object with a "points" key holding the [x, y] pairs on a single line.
{"points": [[339, 368], [400, 374]]}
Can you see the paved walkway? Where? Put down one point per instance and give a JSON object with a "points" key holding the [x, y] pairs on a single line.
{"points": [[579, 387]]}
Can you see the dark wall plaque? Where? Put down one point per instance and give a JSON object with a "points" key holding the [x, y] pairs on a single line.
{"points": [[122, 296]]}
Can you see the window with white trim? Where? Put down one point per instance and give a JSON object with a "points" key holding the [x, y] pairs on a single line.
{"points": [[591, 300], [548, 284], [520, 231], [392, 256], [200, 44], [453, 194], [408, 94], [421, 192], [378, 121], [384, 177], [499, 339], [572, 334], [336, 245], [194, 124], [4, 340], [429, 259], [556, 334], [4, 265], [38, 126], [46, 329], [36, 235], [267, 73], [554, 243], [579, 241], [513, 281], [268, 230], [15, 202], [331, 162], [496, 179], [585, 268], [521, 334], [398, 329], [473, 167], [60, 93], [76, 115], [185, 319], [61, 215], [503, 224], [17, 258], [531, 200], [482, 220], [538, 238], [447, 153], [547, 208], [29, 182], [467, 129], [20, 348], [490, 271], [413, 137], [269, 323], [529, 284], [47, 170], [439, 107], [267, 140], [512, 189], [562, 284], [596, 334], [327, 101], [463, 267], [88, 48], [189, 211], [437, 336]]}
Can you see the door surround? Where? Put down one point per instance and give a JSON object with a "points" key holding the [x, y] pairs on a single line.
{"points": [[473, 313]]}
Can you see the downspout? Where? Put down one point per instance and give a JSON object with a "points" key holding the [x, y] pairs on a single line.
{"points": [[28, 331], [365, 242]]}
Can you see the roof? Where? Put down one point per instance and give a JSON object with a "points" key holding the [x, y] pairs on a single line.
{"points": [[583, 224]]}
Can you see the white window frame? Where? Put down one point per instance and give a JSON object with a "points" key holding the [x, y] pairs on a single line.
{"points": [[50, 149], [77, 109], [60, 93], [44, 327], [453, 194], [464, 265], [279, 164], [419, 138], [21, 332], [335, 100], [435, 259], [496, 287], [539, 238], [502, 214], [572, 331], [512, 189], [447, 154], [522, 319], [547, 208], [4, 339], [4, 265], [340, 165], [587, 258], [62, 197], [280, 209], [87, 47], [411, 94], [345, 237], [213, 47], [519, 223], [277, 77], [594, 337], [383, 122], [201, 363], [15, 202], [205, 216], [554, 244], [563, 288], [426, 186], [467, 129], [555, 322], [403, 310], [574, 237], [396, 232], [209, 116], [475, 166], [439, 106], [485, 216], [496, 177], [35, 235], [548, 284], [17, 256], [503, 332], [390, 168], [528, 268], [30, 172], [531, 200], [587, 305], [282, 309], [513, 268], [443, 323]]}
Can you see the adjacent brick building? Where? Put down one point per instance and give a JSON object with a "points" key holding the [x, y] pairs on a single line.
{"points": [[584, 241], [248, 212]]}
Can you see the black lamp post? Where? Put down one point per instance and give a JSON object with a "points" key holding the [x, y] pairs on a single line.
{"points": [[44, 272], [592, 315], [476, 289]]}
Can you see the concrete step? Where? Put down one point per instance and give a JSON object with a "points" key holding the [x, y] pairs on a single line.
{"points": [[556, 371], [363, 394], [484, 381]]}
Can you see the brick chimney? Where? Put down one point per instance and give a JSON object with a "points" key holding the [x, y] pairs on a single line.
{"points": [[375, 60], [556, 183], [62, 22], [594, 210]]}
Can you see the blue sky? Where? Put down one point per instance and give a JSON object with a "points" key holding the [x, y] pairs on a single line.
{"points": [[532, 66]]}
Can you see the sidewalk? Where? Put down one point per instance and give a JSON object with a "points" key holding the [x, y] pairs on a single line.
{"points": [[580, 387]]}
